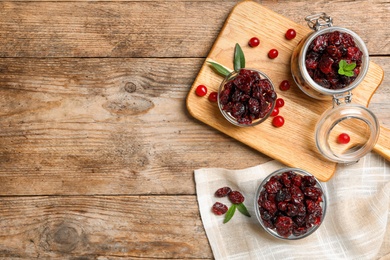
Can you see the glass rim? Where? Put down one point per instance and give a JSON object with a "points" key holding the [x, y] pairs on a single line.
{"points": [[229, 117], [364, 67], [260, 188]]}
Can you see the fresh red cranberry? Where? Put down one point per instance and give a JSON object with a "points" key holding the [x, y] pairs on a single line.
{"points": [[254, 42], [247, 97], [343, 138], [236, 197], [201, 90], [278, 121], [219, 208], [213, 97], [273, 53], [275, 111], [222, 192], [290, 34], [284, 85], [279, 102]]}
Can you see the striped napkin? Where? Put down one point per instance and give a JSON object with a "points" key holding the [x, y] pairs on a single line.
{"points": [[356, 226]]}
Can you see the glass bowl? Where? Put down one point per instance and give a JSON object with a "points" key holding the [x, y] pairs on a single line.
{"points": [[246, 97], [302, 212], [306, 83], [358, 122]]}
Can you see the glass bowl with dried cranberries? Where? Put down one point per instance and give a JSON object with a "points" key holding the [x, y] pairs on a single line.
{"points": [[329, 62], [290, 204], [246, 97]]}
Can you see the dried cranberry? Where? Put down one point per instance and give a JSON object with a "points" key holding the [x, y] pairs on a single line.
{"points": [[219, 208], [273, 185], [299, 231], [308, 181], [222, 192], [312, 192], [285, 179], [284, 226], [282, 206], [292, 210], [236, 197]]}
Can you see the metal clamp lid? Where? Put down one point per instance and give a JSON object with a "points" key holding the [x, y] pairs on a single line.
{"points": [[316, 21]]}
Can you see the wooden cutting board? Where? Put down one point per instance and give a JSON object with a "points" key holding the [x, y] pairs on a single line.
{"points": [[293, 144]]}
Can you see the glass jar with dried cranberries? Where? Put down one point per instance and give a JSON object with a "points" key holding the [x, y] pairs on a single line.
{"points": [[246, 97], [330, 61], [290, 203], [328, 64]]}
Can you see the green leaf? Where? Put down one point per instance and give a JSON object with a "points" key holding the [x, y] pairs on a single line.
{"points": [[241, 208], [229, 214], [350, 67], [220, 69], [239, 58], [348, 73], [346, 69]]}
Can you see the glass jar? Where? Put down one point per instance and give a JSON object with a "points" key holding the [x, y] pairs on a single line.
{"points": [[298, 59], [359, 123], [259, 212], [269, 100]]}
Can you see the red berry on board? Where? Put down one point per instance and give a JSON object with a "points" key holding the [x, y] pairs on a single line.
{"points": [[219, 208], [278, 121], [279, 102], [273, 53], [275, 112], [254, 42], [201, 90], [290, 34], [213, 96], [343, 138], [284, 85], [236, 197], [222, 192]]}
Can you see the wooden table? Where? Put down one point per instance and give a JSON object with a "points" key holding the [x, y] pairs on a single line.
{"points": [[97, 149]]}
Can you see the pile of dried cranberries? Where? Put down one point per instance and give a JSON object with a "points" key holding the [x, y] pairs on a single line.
{"points": [[247, 97], [324, 55], [290, 203]]}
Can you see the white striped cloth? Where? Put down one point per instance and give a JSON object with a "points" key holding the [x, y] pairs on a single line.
{"points": [[356, 226]]}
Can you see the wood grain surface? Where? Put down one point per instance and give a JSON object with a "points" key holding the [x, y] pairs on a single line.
{"points": [[97, 149]]}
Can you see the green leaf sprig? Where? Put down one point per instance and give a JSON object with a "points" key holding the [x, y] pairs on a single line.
{"points": [[239, 58], [220, 69], [230, 213], [346, 69], [238, 62]]}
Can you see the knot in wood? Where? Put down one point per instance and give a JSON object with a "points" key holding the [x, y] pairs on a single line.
{"points": [[130, 87], [65, 239]]}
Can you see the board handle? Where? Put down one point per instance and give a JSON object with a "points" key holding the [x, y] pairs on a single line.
{"points": [[382, 146]]}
